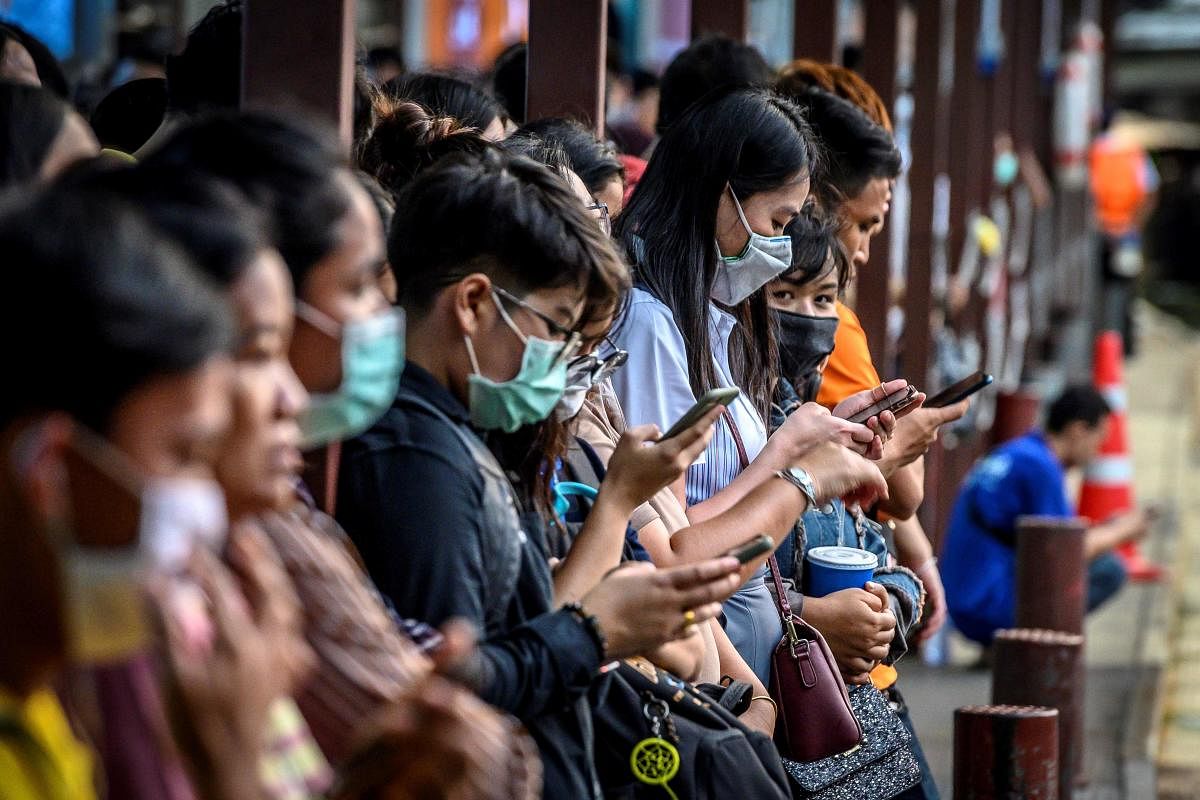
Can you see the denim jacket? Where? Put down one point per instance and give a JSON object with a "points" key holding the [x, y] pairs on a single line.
{"points": [[835, 524]]}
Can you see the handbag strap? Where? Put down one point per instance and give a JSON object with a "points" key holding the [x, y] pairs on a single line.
{"points": [[781, 601]]}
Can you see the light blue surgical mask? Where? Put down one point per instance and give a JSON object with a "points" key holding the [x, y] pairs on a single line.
{"points": [[763, 260], [1005, 168], [531, 395], [372, 360]]}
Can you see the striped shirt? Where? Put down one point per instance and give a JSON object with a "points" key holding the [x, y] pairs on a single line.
{"points": [[653, 386]]}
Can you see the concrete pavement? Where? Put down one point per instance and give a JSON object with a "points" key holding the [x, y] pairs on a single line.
{"points": [[1143, 649]]}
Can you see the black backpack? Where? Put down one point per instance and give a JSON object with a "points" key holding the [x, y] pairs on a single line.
{"points": [[718, 756]]}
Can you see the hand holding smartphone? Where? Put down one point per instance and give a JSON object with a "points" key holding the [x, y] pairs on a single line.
{"points": [[753, 548], [960, 391], [895, 402], [710, 400]]}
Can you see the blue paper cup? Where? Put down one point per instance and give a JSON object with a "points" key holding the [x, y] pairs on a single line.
{"points": [[831, 569]]}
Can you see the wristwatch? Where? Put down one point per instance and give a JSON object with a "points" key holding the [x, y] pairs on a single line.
{"points": [[802, 481]]}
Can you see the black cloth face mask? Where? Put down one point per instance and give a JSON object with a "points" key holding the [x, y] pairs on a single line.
{"points": [[804, 342]]}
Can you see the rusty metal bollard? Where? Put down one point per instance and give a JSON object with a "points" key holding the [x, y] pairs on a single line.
{"points": [[1016, 415], [1006, 752], [1051, 574], [1044, 668]]}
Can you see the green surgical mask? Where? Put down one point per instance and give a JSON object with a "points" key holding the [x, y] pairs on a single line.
{"points": [[531, 395], [372, 360]]}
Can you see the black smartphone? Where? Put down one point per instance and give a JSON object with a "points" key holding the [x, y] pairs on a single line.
{"points": [[959, 391], [710, 400], [895, 402], [759, 545]]}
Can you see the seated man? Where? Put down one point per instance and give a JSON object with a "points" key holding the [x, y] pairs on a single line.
{"points": [[1027, 476]]}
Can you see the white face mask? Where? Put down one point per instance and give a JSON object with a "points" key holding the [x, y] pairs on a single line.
{"points": [[105, 606], [178, 515], [763, 260], [583, 374]]}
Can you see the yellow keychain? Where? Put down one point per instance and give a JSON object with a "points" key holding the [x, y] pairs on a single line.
{"points": [[654, 760]]}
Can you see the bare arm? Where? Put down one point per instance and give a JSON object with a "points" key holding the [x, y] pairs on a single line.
{"points": [[1117, 531], [771, 508], [906, 490], [761, 714]]}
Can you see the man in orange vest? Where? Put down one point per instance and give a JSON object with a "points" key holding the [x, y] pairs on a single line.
{"points": [[1124, 184]]}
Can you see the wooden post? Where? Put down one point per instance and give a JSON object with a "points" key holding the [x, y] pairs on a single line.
{"points": [[1005, 751], [300, 56], [726, 17], [814, 30], [567, 45], [871, 285]]}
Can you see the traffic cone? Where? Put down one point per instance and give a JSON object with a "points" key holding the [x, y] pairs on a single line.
{"points": [[1108, 480]]}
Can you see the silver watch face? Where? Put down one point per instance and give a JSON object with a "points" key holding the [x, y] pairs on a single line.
{"points": [[802, 478]]}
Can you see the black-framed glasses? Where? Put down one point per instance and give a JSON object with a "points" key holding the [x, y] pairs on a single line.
{"points": [[570, 337], [602, 216]]}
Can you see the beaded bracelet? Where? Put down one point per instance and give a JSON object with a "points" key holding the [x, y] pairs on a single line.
{"points": [[591, 625]]}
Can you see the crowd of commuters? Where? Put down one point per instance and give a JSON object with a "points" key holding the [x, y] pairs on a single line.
{"points": [[341, 473]]}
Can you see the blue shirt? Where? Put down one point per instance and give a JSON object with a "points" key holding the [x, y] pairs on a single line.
{"points": [[978, 562], [653, 386]]}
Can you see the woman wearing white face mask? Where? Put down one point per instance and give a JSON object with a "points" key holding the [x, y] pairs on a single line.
{"points": [[86, 512], [705, 231]]}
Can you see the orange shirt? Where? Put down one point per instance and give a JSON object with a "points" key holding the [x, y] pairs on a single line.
{"points": [[850, 369]]}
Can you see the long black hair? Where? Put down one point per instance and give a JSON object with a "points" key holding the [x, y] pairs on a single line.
{"points": [[752, 141]]}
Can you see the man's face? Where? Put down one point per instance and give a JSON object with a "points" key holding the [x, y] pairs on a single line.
{"points": [[1086, 441], [862, 219]]}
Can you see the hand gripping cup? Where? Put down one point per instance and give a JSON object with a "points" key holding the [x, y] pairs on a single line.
{"points": [[831, 569]]}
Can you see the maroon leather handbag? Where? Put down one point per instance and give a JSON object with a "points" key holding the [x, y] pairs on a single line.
{"points": [[815, 720]]}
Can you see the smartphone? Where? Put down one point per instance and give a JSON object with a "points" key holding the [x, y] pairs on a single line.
{"points": [[710, 400], [895, 402], [959, 391], [747, 552]]}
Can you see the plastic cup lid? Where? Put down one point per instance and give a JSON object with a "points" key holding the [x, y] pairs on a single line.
{"points": [[843, 558]]}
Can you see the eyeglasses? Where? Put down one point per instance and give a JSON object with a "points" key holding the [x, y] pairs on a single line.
{"points": [[599, 368], [605, 220], [570, 338]]}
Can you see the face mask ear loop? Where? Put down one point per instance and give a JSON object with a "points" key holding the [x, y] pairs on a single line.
{"points": [[509, 320], [741, 214], [319, 320], [471, 354]]}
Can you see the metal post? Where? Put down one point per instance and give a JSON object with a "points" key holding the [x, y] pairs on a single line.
{"points": [[1051, 574], [1005, 751], [726, 17], [320, 81], [567, 44], [930, 145], [1016, 415], [933, 80], [814, 30], [871, 285], [1042, 668]]}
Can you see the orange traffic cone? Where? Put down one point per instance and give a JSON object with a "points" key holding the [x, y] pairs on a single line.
{"points": [[1108, 479]]}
